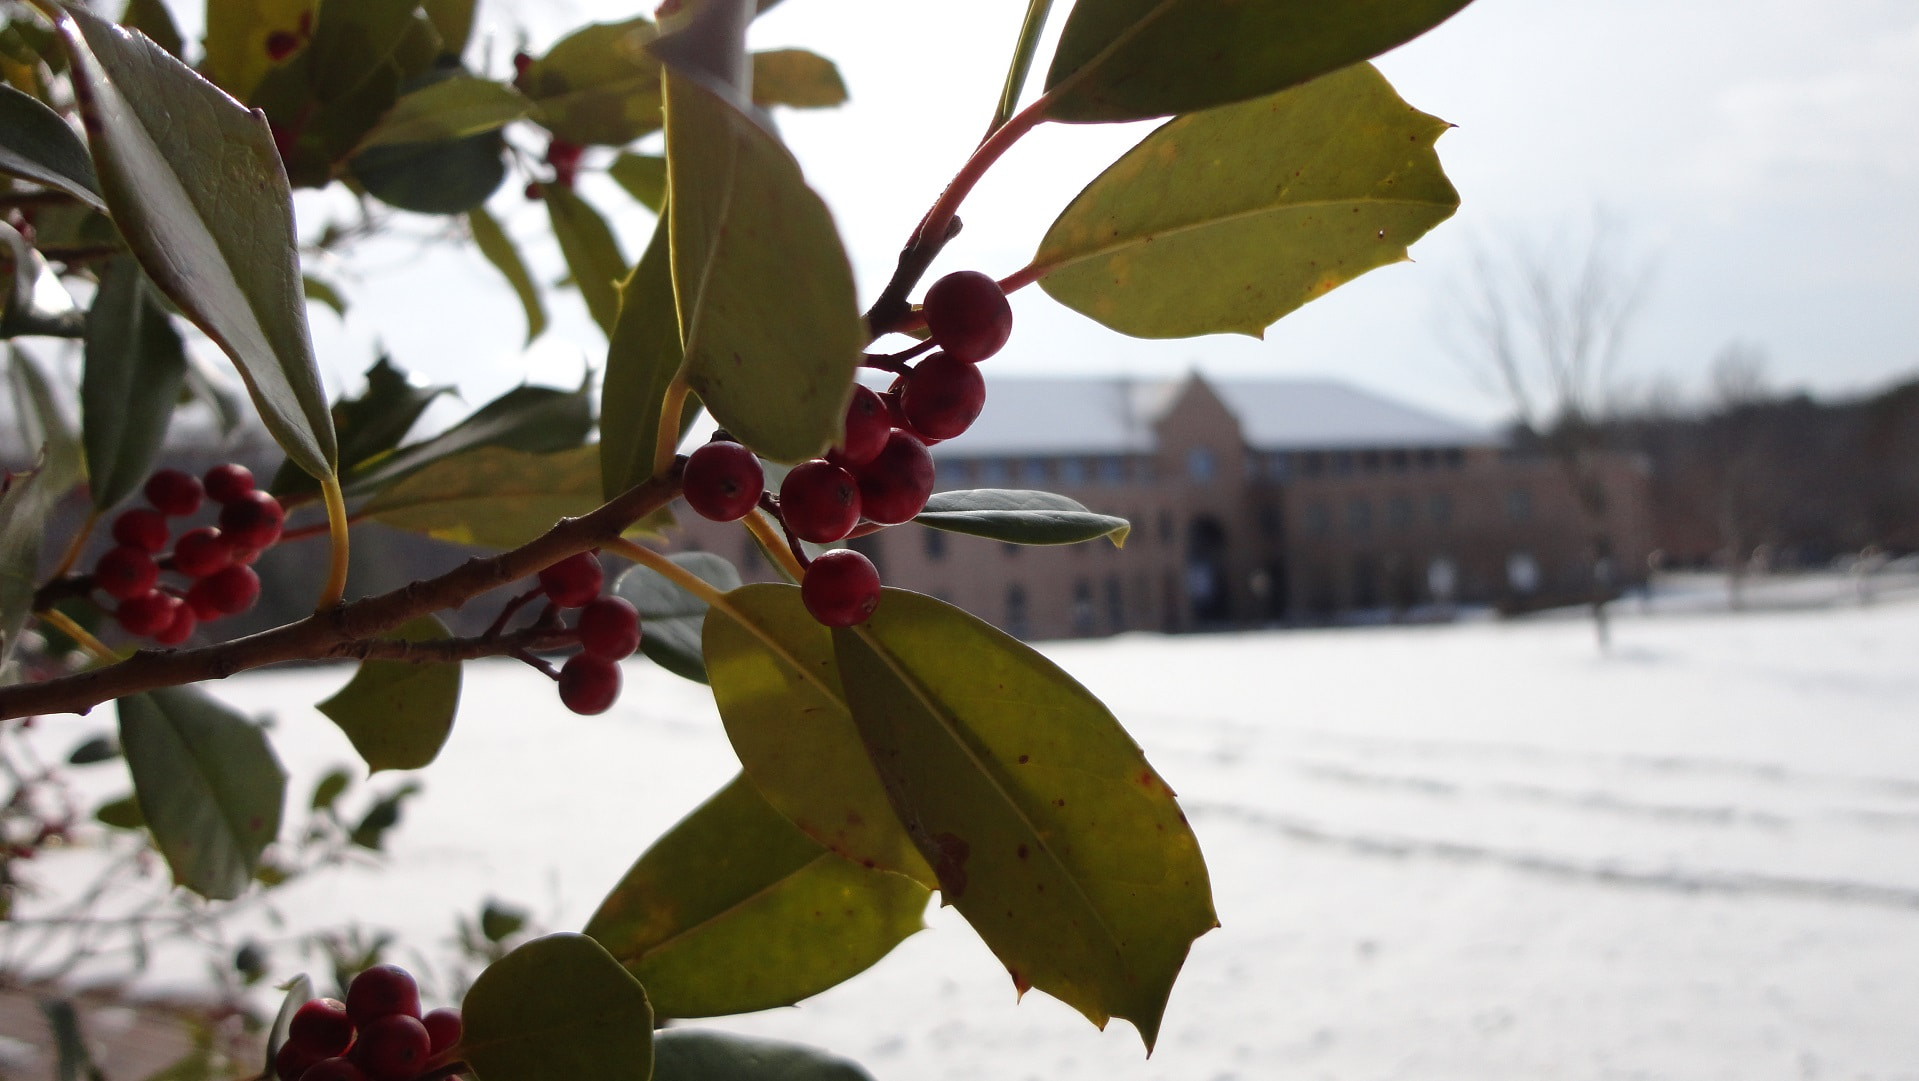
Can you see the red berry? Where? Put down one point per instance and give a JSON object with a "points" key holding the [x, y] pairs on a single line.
{"points": [[321, 1025], [141, 527], [229, 482], [230, 590], [146, 614], [381, 991], [125, 572], [589, 684], [334, 1069], [293, 1060], [867, 423], [443, 1026], [573, 581], [841, 588], [252, 520], [393, 1048], [180, 628], [723, 481], [609, 628], [200, 552], [968, 315], [819, 501], [280, 45], [894, 486], [173, 493], [943, 396], [521, 62]]}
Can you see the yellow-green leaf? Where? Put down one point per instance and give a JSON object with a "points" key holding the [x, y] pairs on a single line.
{"points": [[599, 84], [449, 109], [1046, 826], [734, 910], [592, 252], [1225, 220], [642, 357], [768, 315], [796, 78], [500, 251], [559, 1008], [643, 176], [494, 497], [236, 39], [778, 691], [398, 713]]}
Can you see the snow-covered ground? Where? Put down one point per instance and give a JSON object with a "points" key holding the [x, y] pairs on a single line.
{"points": [[1474, 851]]}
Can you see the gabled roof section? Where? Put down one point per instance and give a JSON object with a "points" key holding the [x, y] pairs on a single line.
{"points": [[1054, 416]]}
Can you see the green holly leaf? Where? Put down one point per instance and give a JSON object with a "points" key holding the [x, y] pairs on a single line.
{"points": [[36, 145], [1047, 828], [1020, 517], [777, 687], [592, 252], [451, 108], [536, 420], [559, 1008], [684, 1054], [370, 424], [642, 357], [499, 250], [598, 85], [208, 783], [1225, 220], [398, 714], [450, 176], [797, 79], [643, 176], [1135, 59], [152, 18], [236, 39], [671, 616], [493, 497], [734, 910], [135, 369], [37, 303], [768, 316]]}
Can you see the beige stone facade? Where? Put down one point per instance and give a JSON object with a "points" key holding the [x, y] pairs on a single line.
{"points": [[1252, 504]]}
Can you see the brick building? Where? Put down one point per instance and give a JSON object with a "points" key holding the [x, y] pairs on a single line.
{"points": [[1253, 502]]}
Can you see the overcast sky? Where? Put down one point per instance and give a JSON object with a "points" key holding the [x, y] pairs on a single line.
{"points": [[1757, 158]]}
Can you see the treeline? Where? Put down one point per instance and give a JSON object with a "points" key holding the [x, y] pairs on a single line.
{"points": [[1797, 481]]}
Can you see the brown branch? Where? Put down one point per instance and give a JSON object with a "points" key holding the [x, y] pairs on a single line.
{"points": [[338, 631]]}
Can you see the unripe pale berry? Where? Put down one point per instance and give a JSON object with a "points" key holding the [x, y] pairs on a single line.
{"points": [[141, 527], [967, 314], [819, 501], [321, 1025], [382, 991], [573, 581], [609, 628], [252, 520], [589, 684], [894, 486], [231, 590], [229, 482], [174, 493], [841, 588], [393, 1048], [200, 552], [443, 1026], [723, 481], [943, 396], [867, 423], [146, 614], [124, 572]]}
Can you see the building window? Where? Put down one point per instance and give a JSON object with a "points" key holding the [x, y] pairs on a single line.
{"points": [[1369, 461], [1016, 610], [935, 544], [1082, 607], [992, 473], [1398, 461], [1278, 467], [1522, 573], [1312, 465], [1200, 465], [1359, 516], [1112, 470], [1340, 463], [1319, 518], [1072, 472], [1428, 458], [1033, 471], [1519, 505], [1454, 457], [1399, 512], [1115, 603], [1440, 509]]}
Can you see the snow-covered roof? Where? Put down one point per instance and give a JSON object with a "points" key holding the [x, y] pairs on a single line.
{"points": [[1047, 416]]}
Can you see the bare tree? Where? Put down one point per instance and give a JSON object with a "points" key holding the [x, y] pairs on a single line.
{"points": [[1543, 324], [1738, 387]]}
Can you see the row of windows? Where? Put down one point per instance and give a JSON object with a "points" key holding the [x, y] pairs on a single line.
{"points": [[1403, 512], [1087, 609], [1110, 470], [1339, 463], [1202, 467]]}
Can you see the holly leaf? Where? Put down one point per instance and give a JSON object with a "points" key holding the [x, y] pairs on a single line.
{"points": [[684, 1054], [1045, 825], [559, 1008], [369, 424], [1135, 59], [643, 176], [398, 714], [237, 57], [453, 20], [208, 783], [194, 182], [1020, 517], [37, 303], [591, 251], [494, 497], [505, 257], [531, 419], [448, 176], [598, 85], [135, 369], [1224, 221], [449, 109], [734, 910], [299, 991], [797, 79], [768, 316], [37, 145], [642, 357], [777, 687], [671, 616], [152, 18]]}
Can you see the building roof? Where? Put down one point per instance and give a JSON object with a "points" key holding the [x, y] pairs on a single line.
{"points": [[1049, 416]]}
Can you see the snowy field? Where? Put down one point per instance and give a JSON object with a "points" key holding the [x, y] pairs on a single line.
{"points": [[1481, 851]]}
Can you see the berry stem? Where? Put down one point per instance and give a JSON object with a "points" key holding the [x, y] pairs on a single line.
{"points": [[775, 546], [1023, 277], [512, 606], [61, 622], [536, 663], [76, 546], [896, 362], [672, 408], [336, 517]]}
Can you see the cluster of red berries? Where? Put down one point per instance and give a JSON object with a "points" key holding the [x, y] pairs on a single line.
{"points": [[608, 629], [377, 1034], [881, 473], [214, 559]]}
